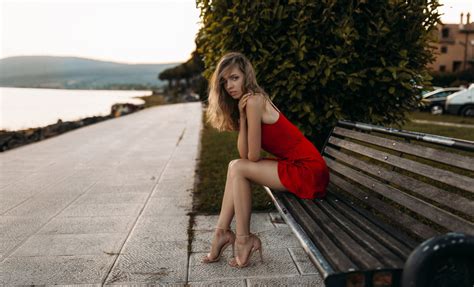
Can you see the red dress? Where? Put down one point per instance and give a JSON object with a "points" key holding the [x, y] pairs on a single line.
{"points": [[301, 168]]}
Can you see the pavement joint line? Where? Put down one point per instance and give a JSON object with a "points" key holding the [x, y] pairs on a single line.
{"points": [[158, 180], [250, 277], [181, 136], [294, 262], [271, 220], [6, 255], [188, 269], [45, 188]]}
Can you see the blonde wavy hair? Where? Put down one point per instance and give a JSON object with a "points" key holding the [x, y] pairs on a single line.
{"points": [[223, 110]]}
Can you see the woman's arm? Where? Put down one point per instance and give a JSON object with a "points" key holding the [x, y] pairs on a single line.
{"points": [[255, 105], [242, 138], [242, 144]]}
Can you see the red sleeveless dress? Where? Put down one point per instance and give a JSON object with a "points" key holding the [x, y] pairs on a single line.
{"points": [[301, 168]]}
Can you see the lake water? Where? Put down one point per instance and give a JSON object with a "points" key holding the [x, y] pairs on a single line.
{"points": [[22, 108]]}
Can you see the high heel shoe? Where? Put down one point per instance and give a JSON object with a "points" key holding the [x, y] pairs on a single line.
{"points": [[256, 246], [229, 241]]}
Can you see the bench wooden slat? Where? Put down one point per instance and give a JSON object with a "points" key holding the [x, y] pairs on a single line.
{"points": [[453, 179], [429, 138], [399, 243], [339, 261], [419, 229], [420, 151], [454, 201], [344, 241], [435, 214], [375, 247]]}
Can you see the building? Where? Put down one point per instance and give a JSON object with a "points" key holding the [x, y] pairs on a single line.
{"points": [[455, 47]]}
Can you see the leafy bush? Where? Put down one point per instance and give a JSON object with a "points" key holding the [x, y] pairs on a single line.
{"points": [[322, 61], [449, 79]]}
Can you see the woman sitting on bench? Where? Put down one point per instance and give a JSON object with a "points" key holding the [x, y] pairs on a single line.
{"points": [[238, 103]]}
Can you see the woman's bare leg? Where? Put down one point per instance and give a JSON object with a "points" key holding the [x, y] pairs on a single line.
{"points": [[227, 209], [242, 203], [242, 172], [225, 217]]}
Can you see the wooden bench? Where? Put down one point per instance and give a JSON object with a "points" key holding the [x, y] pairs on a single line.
{"points": [[399, 207]]}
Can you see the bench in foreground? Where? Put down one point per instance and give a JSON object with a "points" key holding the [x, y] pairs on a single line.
{"points": [[399, 207]]}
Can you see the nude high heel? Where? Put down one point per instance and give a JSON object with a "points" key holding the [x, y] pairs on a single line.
{"points": [[230, 241], [256, 246]]}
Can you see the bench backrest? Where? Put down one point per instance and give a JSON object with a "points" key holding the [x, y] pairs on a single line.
{"points": [[420, 183]]}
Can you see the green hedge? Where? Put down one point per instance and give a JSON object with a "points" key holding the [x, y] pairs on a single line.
{"points": [[450, 79], [326, 60]]}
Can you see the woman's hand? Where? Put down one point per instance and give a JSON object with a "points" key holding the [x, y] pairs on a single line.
{"points": [[242, 104]]}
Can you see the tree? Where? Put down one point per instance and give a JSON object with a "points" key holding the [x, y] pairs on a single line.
{"points": [[190, 71], [322, 61], [166, 76]]}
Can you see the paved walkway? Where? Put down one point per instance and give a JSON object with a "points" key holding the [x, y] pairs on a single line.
{"points": [[109, 204]]}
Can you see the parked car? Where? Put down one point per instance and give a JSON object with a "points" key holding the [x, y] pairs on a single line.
{"points": [[434, 101], [461, 103], [428, 90]]}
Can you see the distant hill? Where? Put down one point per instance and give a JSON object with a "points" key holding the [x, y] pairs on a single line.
{"points": [[76, 73]]}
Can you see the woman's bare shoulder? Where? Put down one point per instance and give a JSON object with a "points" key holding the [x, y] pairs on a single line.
{"points": [[256, 99], [260, 95]]}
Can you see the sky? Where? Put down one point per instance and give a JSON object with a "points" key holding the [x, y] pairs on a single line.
{"points": [[131, 31], [125, 31]]}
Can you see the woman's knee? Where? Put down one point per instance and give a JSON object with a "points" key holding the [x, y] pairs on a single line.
{"points": [[236, 167]]}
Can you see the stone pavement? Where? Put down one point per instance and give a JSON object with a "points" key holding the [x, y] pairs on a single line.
{"points": [[284, 261], [110, 204]]}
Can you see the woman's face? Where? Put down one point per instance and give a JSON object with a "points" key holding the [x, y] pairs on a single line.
{"points": [[233, 82]]}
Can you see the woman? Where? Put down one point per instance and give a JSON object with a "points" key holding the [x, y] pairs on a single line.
{"points": [[237, 102]]}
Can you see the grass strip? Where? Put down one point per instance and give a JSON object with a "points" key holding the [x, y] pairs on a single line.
{"points": [[441, 118]]}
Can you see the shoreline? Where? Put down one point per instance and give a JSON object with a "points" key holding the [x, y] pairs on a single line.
{"points": [[13, 139]]}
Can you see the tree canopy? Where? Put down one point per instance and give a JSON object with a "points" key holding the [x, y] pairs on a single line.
{"points": [[322, 61]]}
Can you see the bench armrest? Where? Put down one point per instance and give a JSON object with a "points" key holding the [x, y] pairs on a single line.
{"points": [[447, 258]]}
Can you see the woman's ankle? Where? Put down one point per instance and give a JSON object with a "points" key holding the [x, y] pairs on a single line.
{"points": [[242, 239], [220, 231]]}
